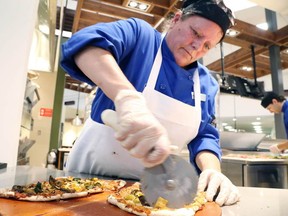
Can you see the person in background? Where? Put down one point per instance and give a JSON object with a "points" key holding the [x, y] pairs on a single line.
{"points": [[277, 104], [161, 94]]}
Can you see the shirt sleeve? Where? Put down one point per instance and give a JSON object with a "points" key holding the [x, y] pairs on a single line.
{"points": [[118, 38], [208, 135]]}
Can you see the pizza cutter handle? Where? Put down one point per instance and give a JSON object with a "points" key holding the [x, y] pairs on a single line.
{"points": [[109, 118]]}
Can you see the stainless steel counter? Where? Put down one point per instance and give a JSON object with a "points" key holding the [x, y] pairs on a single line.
{"points": [[260, 202]]}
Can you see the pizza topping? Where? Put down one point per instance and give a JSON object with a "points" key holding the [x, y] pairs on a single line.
{"points": [[161, 203], [38, 188], [128, 199], [18, 188], [61, 188], [60, 185], [199, 201]]}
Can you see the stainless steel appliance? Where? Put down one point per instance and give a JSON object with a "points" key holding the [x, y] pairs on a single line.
{"points": [[255, 172], [247, 161], [265, 175]]}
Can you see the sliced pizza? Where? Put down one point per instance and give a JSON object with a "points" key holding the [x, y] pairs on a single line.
{"points": [[61, 188], [131, 199]]}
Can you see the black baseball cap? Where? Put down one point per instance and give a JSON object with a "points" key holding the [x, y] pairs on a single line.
{"points": [[214, 10]]}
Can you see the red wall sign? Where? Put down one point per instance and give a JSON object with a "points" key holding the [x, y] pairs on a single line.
{"points": [[47, 112]]}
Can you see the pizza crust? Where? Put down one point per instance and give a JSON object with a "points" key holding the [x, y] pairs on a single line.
{"points": [[41, 198], [6, 193], [74, 195], [150, 211], [113, 200]]}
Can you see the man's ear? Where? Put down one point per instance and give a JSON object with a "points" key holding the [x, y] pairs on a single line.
{"points": [[177, 17], [274, 101]]}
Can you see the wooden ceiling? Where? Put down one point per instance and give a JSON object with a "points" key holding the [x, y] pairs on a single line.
{"points": [[89, 12]]}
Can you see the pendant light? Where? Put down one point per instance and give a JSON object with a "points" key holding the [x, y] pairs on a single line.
{"points": [[222, 63], [77, 121]]}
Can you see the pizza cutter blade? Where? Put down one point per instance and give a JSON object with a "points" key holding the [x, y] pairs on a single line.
{"points": [[174, 180]]}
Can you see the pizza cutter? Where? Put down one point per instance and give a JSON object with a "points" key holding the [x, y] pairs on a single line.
{"points": [[174, 180]]}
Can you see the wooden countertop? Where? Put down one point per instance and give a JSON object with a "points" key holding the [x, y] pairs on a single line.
{"points": [[92, 205]]}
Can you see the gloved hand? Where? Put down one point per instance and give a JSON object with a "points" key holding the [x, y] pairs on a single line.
{"points": [[274, 149], [212, 181], [140, 132]]}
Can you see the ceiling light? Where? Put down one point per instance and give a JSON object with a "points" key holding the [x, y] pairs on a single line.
{"points": [[133, 4], [232, 130], [77, 121], [256, 123], [138, 5], [257, 127], [228, 127], [143, 6], [263, 26], [232, 33], [246, 68]]}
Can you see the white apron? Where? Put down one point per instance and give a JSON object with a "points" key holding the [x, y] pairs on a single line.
{"points": [[96, 150]]}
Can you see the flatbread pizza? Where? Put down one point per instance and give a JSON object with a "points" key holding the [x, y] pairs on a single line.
{"points": [[132, 200], [61, 188]]}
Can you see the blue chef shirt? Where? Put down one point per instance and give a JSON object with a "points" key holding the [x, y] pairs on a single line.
{"points": [[134, 44], [285, 112]]}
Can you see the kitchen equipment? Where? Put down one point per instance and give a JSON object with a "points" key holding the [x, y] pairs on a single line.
{"points": [[52, 159], [240, 141], [174, 180], [24, 145], [255, 169]]}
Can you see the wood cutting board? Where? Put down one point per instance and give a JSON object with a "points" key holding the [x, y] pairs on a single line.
{"points": [[93, 205]]}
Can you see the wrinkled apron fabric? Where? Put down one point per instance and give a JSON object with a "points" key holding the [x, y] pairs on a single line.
{"points": [[96, 150]]}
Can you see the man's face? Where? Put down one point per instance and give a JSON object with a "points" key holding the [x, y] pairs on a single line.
{"points": [[191, 38], [275, 106]]}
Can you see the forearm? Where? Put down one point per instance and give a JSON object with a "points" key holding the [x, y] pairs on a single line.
{"points": [[207, 160], [283, 146], [100, 66]]}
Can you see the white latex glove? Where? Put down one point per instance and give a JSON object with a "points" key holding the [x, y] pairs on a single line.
{"points": [[140, 132], [274, 149], [212, 180]]}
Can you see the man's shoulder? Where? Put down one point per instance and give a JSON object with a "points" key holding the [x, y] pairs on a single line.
{"points": [[285, 107]]}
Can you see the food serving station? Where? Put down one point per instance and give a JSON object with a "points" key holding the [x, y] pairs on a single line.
{"points": [[247, 161]]}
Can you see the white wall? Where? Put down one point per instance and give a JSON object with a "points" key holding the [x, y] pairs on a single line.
{"points": [[17, 19], [235, 105]]}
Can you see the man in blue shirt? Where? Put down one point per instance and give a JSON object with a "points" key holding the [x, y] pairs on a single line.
{"points": [[277, 104], [163, 97]]}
